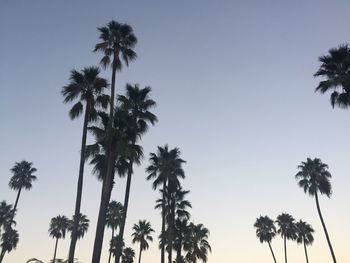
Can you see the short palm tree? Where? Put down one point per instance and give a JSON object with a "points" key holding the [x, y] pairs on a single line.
{"points": [[287, 230], [83, 225], [128, 255], [196, 244], [58, 228], [117, 44], [142, 234], [266, 231], [304, 235], [313, 177], [166, 169], [23, 177], [114, 218], [335, 67], [85, 87], [9, 241]]}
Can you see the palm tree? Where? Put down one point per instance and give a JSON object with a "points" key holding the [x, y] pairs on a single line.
{"points": [[117, 43], [137, 103], [128, 255], [6, 214], [58, 228], [87, 87], [181, 231], [304, 235], [23, 177], [9, 240], [314, 178], [166, 169], [266, 231], [142, 234], [83, 225], [286, 229], [335, 66], [196, 244], [113, 220]]}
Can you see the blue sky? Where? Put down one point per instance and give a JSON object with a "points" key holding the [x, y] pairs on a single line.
{"points": [[235, 92]]}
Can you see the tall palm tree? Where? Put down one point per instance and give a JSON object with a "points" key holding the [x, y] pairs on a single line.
{"points": [[23, 177], [9, 241], [287, 230], [142, 234], [128, 255], [87, 88], [117, 44], [266, 231], [137, 103], [166, 169], [313, 177], [58, 228], [83, 225], [196, 244], [304, 235], [335, 67], [114, 218]]}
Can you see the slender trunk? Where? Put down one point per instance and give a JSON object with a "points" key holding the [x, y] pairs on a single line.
{"points": [[74, 235], [110, 247], [307, 258], [16, 203], [2, 255], [108, 180], [324, 228], [273, 255], [140, 253], [285, 249], [162, 256], [125, 210], [171, 231], [54, 254], [107, 185]]}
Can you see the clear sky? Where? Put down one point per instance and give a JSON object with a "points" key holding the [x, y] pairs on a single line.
{"points": [[235, 92]]}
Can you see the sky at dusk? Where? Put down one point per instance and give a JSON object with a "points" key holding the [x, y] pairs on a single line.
{"points": [[234, 86]]}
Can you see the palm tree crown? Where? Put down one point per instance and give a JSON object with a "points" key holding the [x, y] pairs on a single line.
{"points": [[83, 225], [304, 232], [142, 233], [265, 229], [23, 175], [196, 243], [114, 214], [286, 225], [335, 66], [58, 226], [128, 255]]}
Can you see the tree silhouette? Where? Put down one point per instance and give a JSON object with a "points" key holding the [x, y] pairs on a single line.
{"points": [[266, 231], [113, 220], [196, 244], [142, 234], [304, 235], [287, 230], [58, 228]]}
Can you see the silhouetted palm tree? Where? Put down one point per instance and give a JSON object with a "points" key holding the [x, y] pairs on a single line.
{"points": [[117, 43], [138, 104], [9, 240], [166, 169], [142, 234], [181, 231], [335, 67], [23, 177], [114, 218], [266, 231], [196, 244], [304, 235], [58, 228], [128, 255], [6, 214], [83, 225], [314, 178], [87, 88], [286, 229]]}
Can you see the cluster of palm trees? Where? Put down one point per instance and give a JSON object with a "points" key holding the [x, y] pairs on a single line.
{"points": [[22, 179]]}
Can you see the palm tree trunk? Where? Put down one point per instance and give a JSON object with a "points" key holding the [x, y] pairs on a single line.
{"points": [[108, 181], [125, 210], [54, 254], [273, 255], [285, 249], [2, 255], [178, 251], [324, 228], [171, 231], [307, 258], [74, 236], [16, 203], [110, 251], [107, 185], [162, 256], [140, 253]]}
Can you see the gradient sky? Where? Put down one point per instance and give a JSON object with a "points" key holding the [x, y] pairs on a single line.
{"points": [[235, 92]]}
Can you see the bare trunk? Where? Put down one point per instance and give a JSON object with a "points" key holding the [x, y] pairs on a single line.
{"points": [[2, 254], [74, 236], [273, 255], [307, 258], [140, 253], [324, 228], [162, 256], [285, 250], [54, 254]]}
